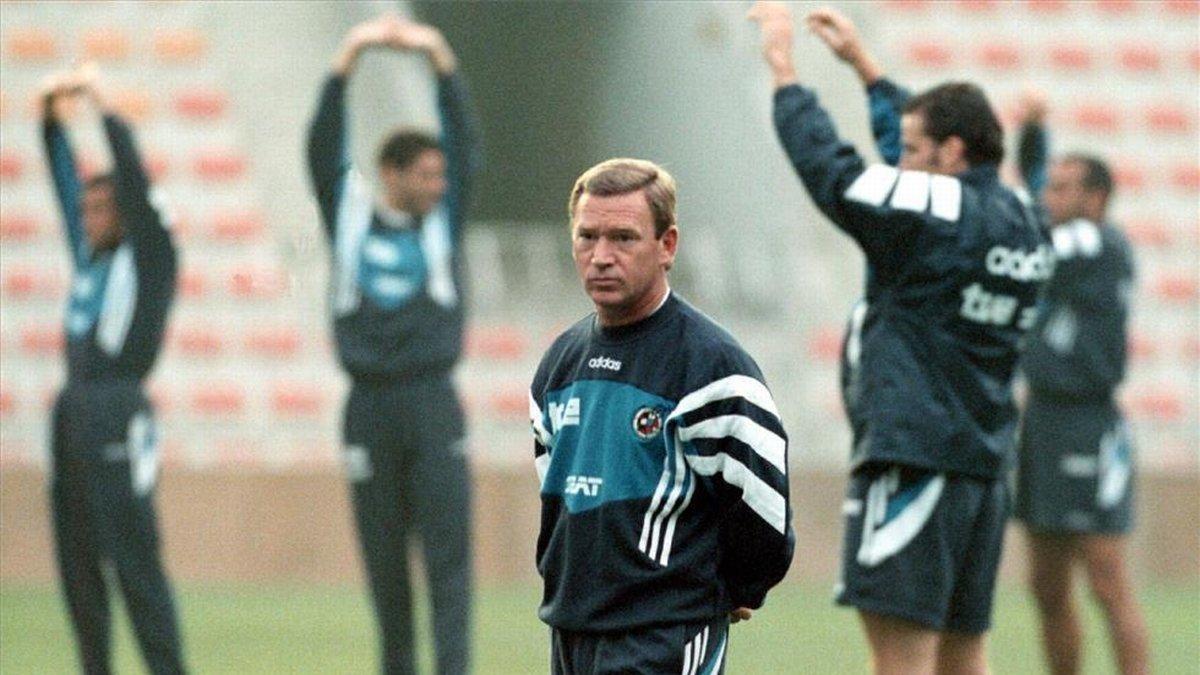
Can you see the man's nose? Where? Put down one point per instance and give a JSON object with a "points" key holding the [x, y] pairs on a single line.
{"points": [[602, 253]]}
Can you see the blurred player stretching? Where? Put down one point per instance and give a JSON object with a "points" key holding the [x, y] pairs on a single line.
{"points": [[104, 444], [398, 319]]}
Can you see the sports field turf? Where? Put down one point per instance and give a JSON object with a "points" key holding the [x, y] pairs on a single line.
{"points": [[314, 629]]}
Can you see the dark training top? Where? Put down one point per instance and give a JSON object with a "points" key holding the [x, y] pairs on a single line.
{"points": [[119, 299], [397, 281], [663, 468], [954, 268], [1076, 350]]}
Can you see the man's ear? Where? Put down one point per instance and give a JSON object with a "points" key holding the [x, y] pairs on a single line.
{"points": [[953, 152], [670, 243]]}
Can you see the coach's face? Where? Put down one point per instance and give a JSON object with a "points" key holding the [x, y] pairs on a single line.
{"points": [[100, 221], [622, 264], [418, 187]]}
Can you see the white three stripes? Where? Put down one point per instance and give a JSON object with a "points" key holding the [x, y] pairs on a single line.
{"points": [[694, 651]]}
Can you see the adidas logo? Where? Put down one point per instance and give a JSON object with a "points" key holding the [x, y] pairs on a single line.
{"points": [[604, 363]]}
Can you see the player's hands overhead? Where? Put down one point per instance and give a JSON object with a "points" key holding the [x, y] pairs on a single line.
{"points": [[838, 32], [775, 21], [1032, 108], [406, 35]]}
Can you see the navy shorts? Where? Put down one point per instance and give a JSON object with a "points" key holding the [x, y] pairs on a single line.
{"points": [[923, 546], [1075, 470], [691, 649]]}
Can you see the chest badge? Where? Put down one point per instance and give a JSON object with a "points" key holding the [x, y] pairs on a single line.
{"points": [[647, 423]]}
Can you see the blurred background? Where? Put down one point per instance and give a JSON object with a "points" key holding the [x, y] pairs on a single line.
{"points": [[248, 391]]}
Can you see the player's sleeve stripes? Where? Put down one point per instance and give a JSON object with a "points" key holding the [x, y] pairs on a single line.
{"points": [[120, 301], [873, 185], [742, 386], [770, 505], [915, 191], [671, 497], [1079, 238], [539, 427], [766, 443], [541, 437]]}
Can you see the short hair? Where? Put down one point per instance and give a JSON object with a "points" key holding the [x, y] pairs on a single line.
{"points": [[961, 109], [402, 147], [623, 175], [99, 180], [1097, 177]]}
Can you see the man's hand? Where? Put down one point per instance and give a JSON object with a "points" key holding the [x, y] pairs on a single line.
{"points": [[775, 21], [57, 87], [410, 36], [740, 614], [393, 32], [1032, 107], [837, 31], [366, 34]]}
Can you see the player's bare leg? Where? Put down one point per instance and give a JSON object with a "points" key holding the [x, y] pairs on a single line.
{"points": [[1108, 575], [962, 654], [900, 647], [1050, 559]]}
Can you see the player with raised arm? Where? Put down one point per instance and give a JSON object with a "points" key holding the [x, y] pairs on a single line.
{"points": [[662, 458], [397, 299], [955, 262], [1076, 469], [104, 446]]}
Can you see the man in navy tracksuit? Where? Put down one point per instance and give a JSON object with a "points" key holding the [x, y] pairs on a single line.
{"points": [[397, 299], [104, 444], [660, 451], [954, 265]]}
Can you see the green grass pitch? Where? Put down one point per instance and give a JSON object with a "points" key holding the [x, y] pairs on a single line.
{"points": [[315, 629]]}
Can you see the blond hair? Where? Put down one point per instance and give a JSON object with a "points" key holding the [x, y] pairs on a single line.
{"points": [[622, 175]]}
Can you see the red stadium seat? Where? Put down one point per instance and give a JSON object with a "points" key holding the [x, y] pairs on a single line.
{"points": [[1116, 6], [1148, 232], [157, 165], [11, 166], [257, 283], [1168, 118], [1071, 57], [1161, 405], [1129, 175], [22, 283], [1142, 347], [200, 104], [1048, 6], [198, 341], [1177, 287], [933, 55], [160, 399], [825, 344], [907, 5], [1193, 58], [192, 284], [1182, 7], [30, 44], [4, 104], [281, 342], [297, 400], [999, 56], [978, 5], [133, 104], [1097, 117], [44, 340], [237, 226], [1143, 58], [105, 44], [219, 165], [500, 343], [180, 46], [17, 227], [218, 400], [8, 403], [510, 404], [1186, 177]]}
